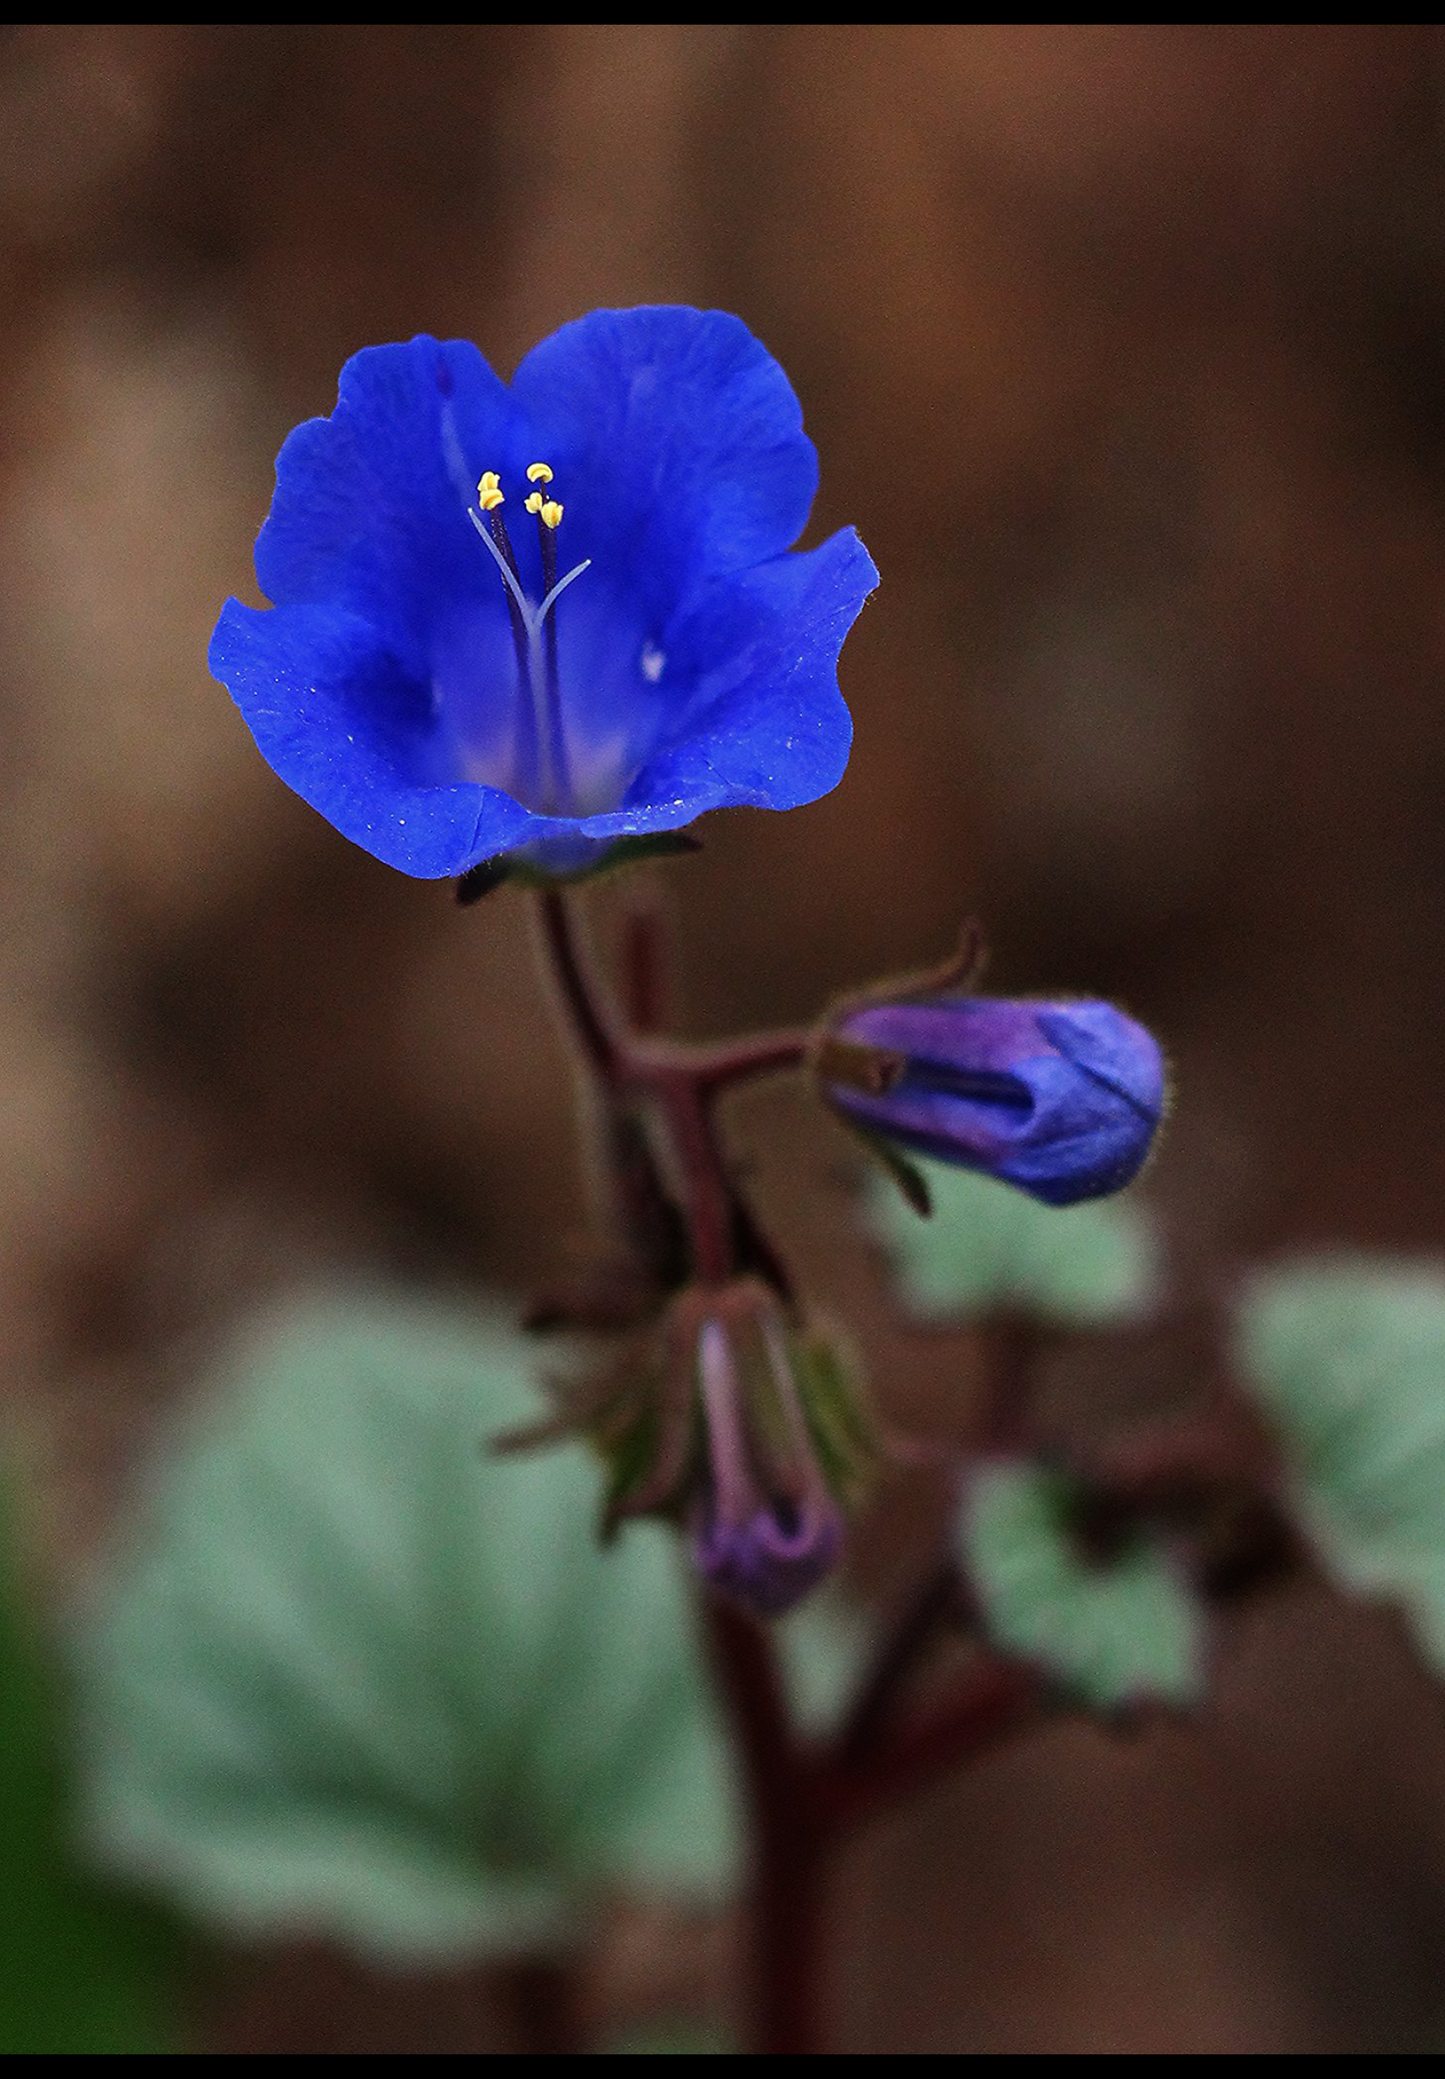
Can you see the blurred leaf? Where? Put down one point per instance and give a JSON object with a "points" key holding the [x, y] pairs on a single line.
{"points": [[990, 1249], [821, 1646], [1347, 1357], [1116, 1632], [358, 1677], [82, 1973]]}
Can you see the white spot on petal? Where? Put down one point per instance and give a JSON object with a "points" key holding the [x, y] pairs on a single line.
{"points": [[652, 661]]}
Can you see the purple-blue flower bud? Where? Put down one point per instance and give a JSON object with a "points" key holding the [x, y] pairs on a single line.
{"points": [[1060, 1099], [741, 1420], [765, 1527], [770, 1562]]}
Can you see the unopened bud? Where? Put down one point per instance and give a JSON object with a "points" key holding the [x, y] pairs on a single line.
{"points": [[1060, 1099], [750, 1432]]}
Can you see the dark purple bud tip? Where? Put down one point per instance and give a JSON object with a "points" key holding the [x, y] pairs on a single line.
{"points": [[771, 1561], [1060, 1099]]}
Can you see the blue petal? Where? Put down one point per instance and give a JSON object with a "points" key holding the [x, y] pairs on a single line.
{"points": [[1082, 1141], [967, 1034], [344, 720], [766, 726], [677, 440], [972, 1133], [1111, 1047], [370, 510]]}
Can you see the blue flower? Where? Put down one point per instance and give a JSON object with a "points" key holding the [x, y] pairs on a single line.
{"points": [[536, 620], [1061, 1099]]}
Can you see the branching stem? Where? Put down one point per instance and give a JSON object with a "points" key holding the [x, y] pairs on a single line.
{"points": [[805, 1798]]}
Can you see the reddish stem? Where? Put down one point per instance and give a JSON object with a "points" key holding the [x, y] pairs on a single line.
{"points": [[707, 1195], [678, 1082], [802, 1802], [783, 1975], [902, 1647], [644, 966], [542, 1996], [589, 1015], [753, 1054], [628, 1055], [1014, 1344], [805, 1803], [990, 1705]]}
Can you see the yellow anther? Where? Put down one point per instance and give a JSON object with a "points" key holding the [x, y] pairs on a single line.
{"points": [[490, 481], [534, 502], [538, 473], [551, 513], [490, 500]]}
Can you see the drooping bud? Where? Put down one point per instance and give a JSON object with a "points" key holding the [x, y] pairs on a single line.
{"points": [[765, 1528], [1060, 1099], [747, 1429]]}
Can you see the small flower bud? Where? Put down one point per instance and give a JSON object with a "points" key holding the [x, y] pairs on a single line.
{"points": [[1060, 1099], [765, 1528], [746, 1428], [770, 1562]]}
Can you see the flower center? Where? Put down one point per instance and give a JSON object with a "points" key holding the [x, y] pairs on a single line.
{"points": [[543, 777]]}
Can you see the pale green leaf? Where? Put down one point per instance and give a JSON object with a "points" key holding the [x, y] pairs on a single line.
{"points": [[988, 1249], [356, 1676], [1347, 1357], [821, 1648], [1115, 1632]]}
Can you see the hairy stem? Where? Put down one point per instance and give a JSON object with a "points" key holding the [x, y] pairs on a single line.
{"points": [[751, 1055], [589, 1015], [787, 1848], [803, 1801]]}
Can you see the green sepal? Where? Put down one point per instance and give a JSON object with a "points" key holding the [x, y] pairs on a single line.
{"points": [[638, 851], [908, 1177], [490, 874], [629, 1457], [837, 1418]]}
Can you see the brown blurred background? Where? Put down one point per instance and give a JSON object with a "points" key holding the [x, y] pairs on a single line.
{"points": [[1125, 349]]}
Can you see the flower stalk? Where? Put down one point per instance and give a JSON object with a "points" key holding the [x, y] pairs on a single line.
{"points": [[805, 1798]]}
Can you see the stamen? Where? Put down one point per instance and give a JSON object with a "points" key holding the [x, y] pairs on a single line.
{"points": [[547, 542], [516, 597], [551, 515]]}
